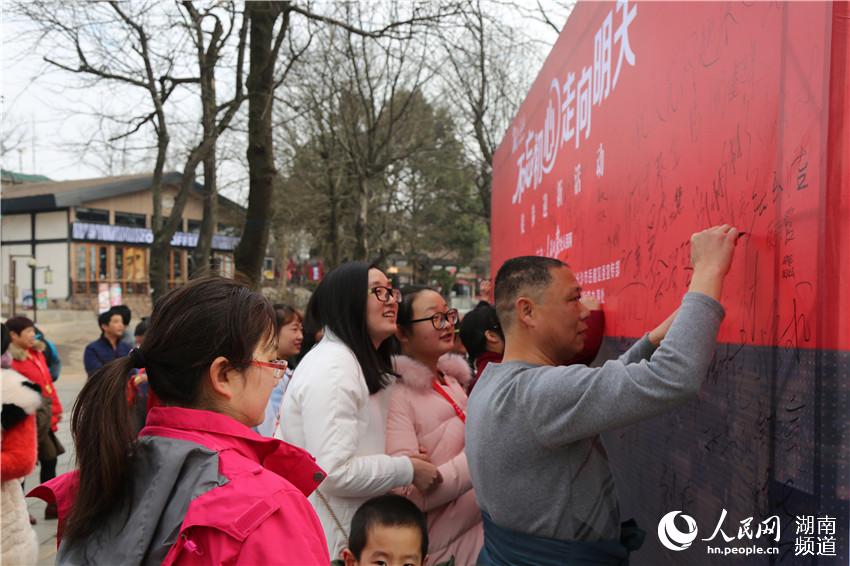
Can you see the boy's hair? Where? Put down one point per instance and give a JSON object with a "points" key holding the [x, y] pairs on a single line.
{"points": [[104, 318], [18, 324], [387, 511], [124, 311]]}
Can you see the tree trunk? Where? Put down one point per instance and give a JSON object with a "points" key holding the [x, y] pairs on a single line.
{"points": [[261, 169], [209, 222], [333, 221], [485, 182], [161, 246], [361, 222], [203, 252], [158, 269]]}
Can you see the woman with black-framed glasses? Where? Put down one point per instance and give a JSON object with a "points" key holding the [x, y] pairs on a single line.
{"points": [[336, 404], [428, 411]]}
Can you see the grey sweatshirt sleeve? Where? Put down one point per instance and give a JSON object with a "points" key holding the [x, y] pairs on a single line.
{"points": [[569, 403], [640, 350]]}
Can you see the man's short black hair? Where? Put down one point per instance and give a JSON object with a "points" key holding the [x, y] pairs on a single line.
{"points": [[529, 274], [106, 316], [388, 511], [124, 311]]}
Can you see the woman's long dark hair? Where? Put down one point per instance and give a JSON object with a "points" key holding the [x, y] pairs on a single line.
{"points": [[190, 327], [311, 325], [339, 303]]}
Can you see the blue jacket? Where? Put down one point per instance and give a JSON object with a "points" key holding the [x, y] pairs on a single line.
{"points": [[100, 352]]}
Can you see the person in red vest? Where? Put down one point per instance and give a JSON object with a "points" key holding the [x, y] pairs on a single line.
{"points": [[28, 360]]}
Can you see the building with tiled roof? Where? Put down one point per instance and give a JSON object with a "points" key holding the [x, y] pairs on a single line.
{"points": [[93, 236]]}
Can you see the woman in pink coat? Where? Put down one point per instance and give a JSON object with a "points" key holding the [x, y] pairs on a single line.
{"points": [[428, 414]]}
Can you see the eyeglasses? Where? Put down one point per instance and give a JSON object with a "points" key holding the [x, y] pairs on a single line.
{"points": [[440, 319], [383, 294], [279, 366]]}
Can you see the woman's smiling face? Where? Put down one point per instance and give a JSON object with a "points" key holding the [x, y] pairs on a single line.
{"points": [[380, 316]]}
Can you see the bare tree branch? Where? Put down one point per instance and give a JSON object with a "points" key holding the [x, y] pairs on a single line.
{"points": [[545, 18]]}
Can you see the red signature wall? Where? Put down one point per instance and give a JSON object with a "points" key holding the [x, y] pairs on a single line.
{"points": [[650, 121]]}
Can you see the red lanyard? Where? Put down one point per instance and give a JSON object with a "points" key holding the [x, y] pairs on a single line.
{"points": [[439, 389]]}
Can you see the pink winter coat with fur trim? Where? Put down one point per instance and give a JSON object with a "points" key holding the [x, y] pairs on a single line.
{"points": [[420, 418]]}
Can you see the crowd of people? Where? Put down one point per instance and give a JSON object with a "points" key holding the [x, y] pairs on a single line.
{"points": [[356, 432]]}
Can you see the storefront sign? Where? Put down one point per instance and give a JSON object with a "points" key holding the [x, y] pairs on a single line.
{"points": [[109, 233], [125, 234]]}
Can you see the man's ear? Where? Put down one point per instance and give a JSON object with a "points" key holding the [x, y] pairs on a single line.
{"points": [[348, 558], [525, 311], [221, 381]]}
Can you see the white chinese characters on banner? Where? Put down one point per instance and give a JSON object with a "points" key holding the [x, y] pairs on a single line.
{"points": [[577, 180], [585, 106], [600, 161], [602, 62], [622, 37], [599, 274], [569, 107]]}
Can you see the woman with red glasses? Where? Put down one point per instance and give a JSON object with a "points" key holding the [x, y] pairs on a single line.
{"points": [[197, 486], [336, 404], [428, 412]]}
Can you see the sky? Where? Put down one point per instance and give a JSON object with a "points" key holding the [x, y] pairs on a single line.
{"points": [[47, 116]]}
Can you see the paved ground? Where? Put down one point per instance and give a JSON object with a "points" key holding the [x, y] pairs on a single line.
{"points": [[70, 331]]}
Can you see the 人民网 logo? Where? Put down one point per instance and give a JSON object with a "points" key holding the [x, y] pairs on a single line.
{"points": [[670, 535]]}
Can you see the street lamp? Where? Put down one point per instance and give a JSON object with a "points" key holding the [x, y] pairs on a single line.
{"points": [[13, 292], [48, 280]]}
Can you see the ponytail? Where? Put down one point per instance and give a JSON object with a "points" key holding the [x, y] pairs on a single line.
{"points": [[190, 327], [104, 440]]}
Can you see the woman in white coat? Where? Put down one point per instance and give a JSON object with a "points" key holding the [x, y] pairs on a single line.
{"points": [[337, 402]]}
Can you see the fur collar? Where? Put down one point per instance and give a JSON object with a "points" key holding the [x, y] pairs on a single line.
{"points": [[17, 352], [20, 354], [18, 390], [416, 375]]}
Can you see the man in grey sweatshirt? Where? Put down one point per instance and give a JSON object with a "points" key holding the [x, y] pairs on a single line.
{"points": [[536, 459]]}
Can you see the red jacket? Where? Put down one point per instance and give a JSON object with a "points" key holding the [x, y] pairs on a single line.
{"points": [[259, 515], [34, 368], [18, 446]]}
